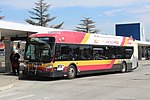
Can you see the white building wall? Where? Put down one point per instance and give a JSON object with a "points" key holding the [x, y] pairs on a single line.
{"points": [[142, 33]]}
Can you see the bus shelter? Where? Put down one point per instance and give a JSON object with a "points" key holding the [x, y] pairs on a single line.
{"points": [[12, 34], [143, 50]]}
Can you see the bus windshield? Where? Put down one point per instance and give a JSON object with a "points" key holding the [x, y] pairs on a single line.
{"points": [[40, 49]]}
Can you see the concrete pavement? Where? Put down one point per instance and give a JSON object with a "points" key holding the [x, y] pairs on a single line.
{"points": [[142, 62], [7, 80]]}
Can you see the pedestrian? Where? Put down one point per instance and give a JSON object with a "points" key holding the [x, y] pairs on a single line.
{"points": [[14, 58]]}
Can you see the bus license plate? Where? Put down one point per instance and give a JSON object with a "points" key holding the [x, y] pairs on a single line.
{"points": [[60, 68]]}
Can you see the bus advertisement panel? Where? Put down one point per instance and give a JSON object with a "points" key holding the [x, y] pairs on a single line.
{"points": [[68, 53]]}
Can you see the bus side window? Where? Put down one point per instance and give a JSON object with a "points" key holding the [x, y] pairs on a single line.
{"points": [[128, 52], [65, 49], [120, 53], [57, 52], [85, 52], [110, 52], [98, 53], [61, 52], [72, 55]]}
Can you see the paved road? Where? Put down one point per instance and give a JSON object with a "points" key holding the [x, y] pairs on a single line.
{"points": [[128, 86]]}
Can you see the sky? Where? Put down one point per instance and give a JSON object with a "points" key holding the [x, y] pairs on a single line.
{"points": [[105, 13]]}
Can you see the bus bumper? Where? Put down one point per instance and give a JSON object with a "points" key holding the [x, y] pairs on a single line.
{"points": [[136, 66], [44, 73]]}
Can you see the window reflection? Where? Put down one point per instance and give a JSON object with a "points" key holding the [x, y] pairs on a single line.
{"points": [[88, 52]]}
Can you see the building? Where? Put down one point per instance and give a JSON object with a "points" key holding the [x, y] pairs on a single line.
{"points": [[10, 32], [136, 31]]}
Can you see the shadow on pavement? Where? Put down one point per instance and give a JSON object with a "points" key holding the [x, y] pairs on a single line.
{"points": [[97, 74], [37, 78], [8, 74]]}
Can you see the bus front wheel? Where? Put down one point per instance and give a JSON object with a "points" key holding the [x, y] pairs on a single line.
{"points": [[123, 67], [71, 72]]}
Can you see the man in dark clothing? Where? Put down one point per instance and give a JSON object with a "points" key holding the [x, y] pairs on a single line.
{"points": [[14, 58]]}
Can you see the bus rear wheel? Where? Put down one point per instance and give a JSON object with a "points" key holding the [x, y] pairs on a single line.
{"points": [[71, 72], [123, 67]]}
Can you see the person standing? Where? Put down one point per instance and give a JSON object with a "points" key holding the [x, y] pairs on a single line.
{"points": [[14, 58]]}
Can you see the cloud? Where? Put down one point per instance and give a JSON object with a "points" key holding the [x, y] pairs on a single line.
{"points": [[26, 4], [137, 10], [113, 12], [18, 4], [140, 9], [142, 13], [134, 10], [145, 18], [95, 3]]}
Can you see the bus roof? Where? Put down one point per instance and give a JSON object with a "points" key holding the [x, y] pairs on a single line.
{"points": [[73, 37]]}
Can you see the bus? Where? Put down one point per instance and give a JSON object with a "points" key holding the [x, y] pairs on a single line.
{"points": [[70, 53]]}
